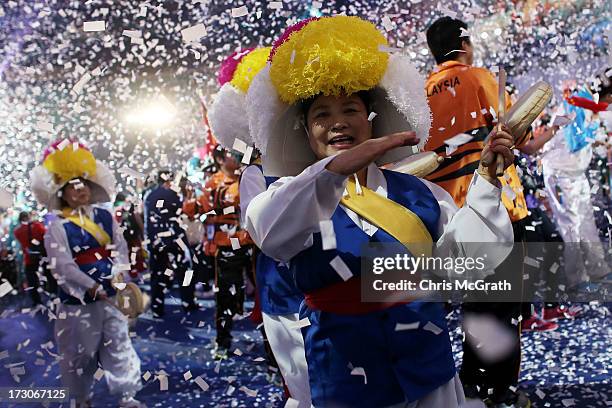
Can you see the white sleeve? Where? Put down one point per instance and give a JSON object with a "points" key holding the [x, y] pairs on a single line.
{"points": [[252, 183], [281, 220], [71, 279], [483, 220]]}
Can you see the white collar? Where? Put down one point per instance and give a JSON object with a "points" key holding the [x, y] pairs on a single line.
{"points": [[376, 180]]}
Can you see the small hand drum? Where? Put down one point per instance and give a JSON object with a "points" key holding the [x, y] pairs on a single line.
{"points": [[131, 301], [418, 164]]}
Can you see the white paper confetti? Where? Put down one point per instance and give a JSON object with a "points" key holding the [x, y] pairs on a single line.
{"points": [[248, 391], [201, 383], [341, 269], [78, 87], [90, 26], [130, 172], [459, 139], [5, 288], [246, 159], [328, 236], [98, 374], [239, 11], [305, 322], [387, 24], [508, 192], [163, 382], [194, 33], [531, 262], [432, 328], [360, 371], [188, 277], [240, 146], [406, 326]]}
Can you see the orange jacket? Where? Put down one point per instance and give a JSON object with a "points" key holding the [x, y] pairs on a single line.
{"points": [[464, 99], [221, 195]]}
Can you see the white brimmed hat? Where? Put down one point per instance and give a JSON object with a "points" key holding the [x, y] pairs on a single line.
{"points": [[227, 115], [66, 160], [332, 56]]}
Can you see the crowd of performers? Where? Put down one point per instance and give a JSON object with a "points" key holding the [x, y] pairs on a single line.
{"points": [[305, 129]]}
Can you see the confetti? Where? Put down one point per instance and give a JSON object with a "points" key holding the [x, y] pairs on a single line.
{"points": [[249, 392], [201, 383], [5, 289], [133, 173], [235, 242], [94, 26], [508, 192], [188, 277], [98, 374], [163, 382], [341, 269], [531, 262], [240, 146], [360, 371], [387, 24], [406, 326], [239, 11], [193, 34], [305, 322], [459, 139], [328, 235], [246, 159], [429, 326]]}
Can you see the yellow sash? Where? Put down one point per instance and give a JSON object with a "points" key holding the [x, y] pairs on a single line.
{"points": [[398, 221], [88, 225]]}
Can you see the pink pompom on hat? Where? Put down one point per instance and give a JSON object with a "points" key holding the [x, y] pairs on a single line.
{"points": [[229, 65]]}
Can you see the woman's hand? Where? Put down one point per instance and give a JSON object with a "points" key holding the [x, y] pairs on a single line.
{"points": [[359, 157], [97, 293], [500, 142]]}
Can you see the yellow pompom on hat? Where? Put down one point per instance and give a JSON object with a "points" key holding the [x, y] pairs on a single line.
{"points": [[66, 160], [69, 162], [329, 56], [227, 115], [248, 67], [332, 56]]}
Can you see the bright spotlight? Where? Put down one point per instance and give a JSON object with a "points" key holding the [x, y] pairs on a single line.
{"points": [[158, 113]]}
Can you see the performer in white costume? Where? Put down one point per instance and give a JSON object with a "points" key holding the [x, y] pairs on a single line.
{"points": [[279, 298], [90, 331], [313, 123], [565, 160]]}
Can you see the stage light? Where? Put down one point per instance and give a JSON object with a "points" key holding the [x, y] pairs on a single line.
{"points": [[159, 113]]}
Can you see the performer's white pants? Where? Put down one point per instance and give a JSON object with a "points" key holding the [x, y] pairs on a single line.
{"points": [[576, 224], [92, 333], [449, 395], [287, 344]]}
